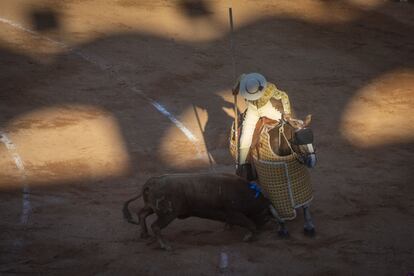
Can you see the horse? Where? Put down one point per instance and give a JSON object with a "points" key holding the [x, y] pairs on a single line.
{"points": [[280, 154], [293, 136]]}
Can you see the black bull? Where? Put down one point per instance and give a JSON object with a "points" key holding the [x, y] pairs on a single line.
{"points": [[222, 197]]}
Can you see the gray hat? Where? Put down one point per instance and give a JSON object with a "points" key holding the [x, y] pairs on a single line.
{"points": [[252, 86]]}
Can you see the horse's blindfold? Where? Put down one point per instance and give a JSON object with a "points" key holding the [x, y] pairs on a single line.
{"points": [[304, 136]]}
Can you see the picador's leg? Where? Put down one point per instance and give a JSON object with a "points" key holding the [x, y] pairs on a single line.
{"points": [[237, 218], [162, 221], [143, 214], [309, 227], [283, 231]]}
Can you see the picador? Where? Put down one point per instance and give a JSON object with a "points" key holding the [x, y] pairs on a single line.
{"points": [[258, 94]]}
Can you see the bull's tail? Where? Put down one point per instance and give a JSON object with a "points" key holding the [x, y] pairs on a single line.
{"points": [[127, 213]]}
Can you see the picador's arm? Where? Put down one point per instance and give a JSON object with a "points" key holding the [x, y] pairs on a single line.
{"points": [[284, 98]]}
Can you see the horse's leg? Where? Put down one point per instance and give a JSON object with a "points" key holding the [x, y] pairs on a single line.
{"points": [[283, 231], [309, 227]]}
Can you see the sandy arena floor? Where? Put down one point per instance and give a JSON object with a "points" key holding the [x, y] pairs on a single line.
{"points": [[96, 96]]}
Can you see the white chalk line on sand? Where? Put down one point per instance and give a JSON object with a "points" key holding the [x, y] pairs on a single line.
{"points": [[26, 205], [190, 136]]}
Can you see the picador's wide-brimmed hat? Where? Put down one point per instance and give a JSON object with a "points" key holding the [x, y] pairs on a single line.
{"points": [[252, 86]]}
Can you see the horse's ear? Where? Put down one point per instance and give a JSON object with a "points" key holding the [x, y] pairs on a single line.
{"points": [[308, 120]]}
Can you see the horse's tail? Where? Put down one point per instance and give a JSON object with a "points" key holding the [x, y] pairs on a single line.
{"points": [[127, 213]]}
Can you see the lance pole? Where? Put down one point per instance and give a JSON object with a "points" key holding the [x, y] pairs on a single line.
{"points": [[236, 113]]}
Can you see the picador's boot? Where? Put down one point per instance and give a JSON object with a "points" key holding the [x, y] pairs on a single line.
{"points": [[246, 171]]}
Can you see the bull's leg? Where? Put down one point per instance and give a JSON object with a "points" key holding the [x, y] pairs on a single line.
{"points": [[283, 231], [309, 227], [240, 219], [143, 214], [162, 221]]}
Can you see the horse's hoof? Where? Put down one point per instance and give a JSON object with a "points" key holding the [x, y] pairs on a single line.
{"points": [[283, 233], [310, 232]]}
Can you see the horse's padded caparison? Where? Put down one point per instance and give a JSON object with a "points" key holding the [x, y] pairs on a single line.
{"points": [[285, 181]]}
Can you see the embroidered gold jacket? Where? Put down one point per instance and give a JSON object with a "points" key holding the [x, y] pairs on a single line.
{"points": [[272, 92]]}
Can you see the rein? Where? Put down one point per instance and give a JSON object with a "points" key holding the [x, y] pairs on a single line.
{"points": [[282, 133], [259, 127]]}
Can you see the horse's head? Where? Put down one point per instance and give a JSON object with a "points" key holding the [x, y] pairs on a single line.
{"points": [[294, 136]]}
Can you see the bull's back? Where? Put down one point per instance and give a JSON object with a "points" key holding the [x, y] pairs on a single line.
{"points": [[202, 194], [215, 191]]}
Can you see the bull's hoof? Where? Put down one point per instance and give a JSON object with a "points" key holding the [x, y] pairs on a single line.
{"points": [[151, 240], [283, 233], [309, 232], [144, 235], [248, 237], [166, 247], [227, 226]]}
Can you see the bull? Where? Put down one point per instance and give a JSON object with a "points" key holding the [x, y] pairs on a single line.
{"points": [[222, 197]]}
